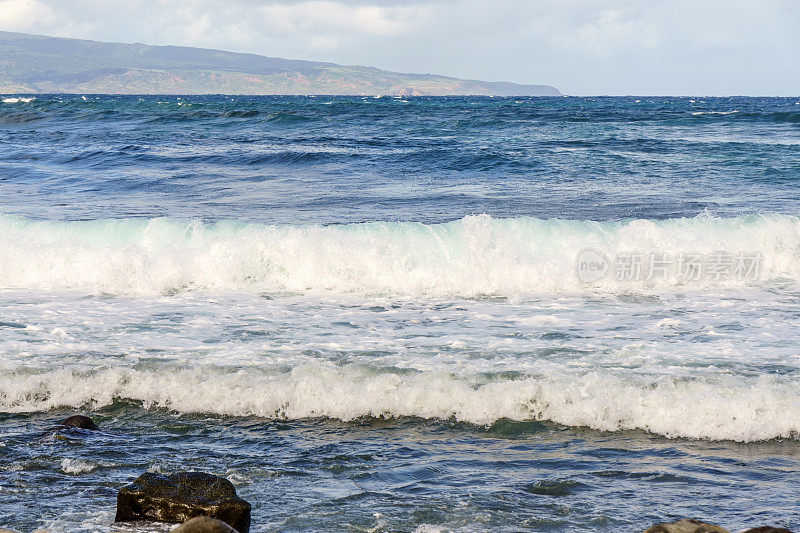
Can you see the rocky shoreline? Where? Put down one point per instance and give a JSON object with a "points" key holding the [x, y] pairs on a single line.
{"points": [[198, 502], [696, 526]]}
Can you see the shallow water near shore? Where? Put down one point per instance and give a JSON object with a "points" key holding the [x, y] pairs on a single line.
{"points": [[368, 314], [404, 474]]}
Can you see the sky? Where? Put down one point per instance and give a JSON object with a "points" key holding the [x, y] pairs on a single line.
{"points": [[582, 47]]}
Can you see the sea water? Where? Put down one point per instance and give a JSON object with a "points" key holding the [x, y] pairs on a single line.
{"points": [[417, 314]]}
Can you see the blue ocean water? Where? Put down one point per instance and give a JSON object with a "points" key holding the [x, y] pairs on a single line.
{"points": [[378, 313]]}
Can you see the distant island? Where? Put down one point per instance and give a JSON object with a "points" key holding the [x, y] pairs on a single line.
{"points": [[40, 64]]}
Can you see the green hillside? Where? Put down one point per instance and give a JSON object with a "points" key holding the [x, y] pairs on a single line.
{"points": [[38, 64]]}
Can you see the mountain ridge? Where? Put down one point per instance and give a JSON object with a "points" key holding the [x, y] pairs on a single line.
{"points": [[40, 64]]}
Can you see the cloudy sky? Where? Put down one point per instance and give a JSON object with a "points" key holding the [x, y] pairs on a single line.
{"points": [[691, 47]]}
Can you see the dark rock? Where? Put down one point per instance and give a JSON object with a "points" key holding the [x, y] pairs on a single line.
{"points": [[204, 524], [768, 529], [687, 526], [179, 497], [79, 421]]}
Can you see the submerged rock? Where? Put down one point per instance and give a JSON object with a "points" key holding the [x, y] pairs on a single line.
{"points": [[204, 524], [687, 526], [768, 529], [80, 421], [179, 497]]}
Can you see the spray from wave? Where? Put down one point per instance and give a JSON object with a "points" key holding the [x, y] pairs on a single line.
{"points": [[470, 257], [719, 407]]}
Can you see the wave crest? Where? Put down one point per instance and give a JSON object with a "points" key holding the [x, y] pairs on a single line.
{"points": [[474, 256], [717, 407]]}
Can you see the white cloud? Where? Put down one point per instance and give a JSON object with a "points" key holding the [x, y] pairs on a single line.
{"points": [[24, 15], [612, 31], [581, 46], [316, 16], [324, 42], [603, 33]]}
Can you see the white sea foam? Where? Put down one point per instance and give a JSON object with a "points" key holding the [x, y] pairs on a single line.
{"points": [[76, 466], [713, 406], [697, 113], [474, 256], [14, 100]]}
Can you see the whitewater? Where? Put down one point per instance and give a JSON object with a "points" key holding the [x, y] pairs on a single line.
{"points": [[459, 314], [511, 279], [470, 257]]}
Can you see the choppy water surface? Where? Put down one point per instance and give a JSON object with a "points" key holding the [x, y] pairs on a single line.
{"points": [[367, 312]]}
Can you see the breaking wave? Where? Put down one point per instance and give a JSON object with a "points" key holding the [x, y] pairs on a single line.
{"points": [[470, 257], [716, 407]]}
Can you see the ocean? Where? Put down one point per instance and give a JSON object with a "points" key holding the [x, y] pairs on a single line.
{"points": [[404, 314]]}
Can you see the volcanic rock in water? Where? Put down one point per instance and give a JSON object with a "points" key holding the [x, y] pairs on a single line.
{"points": [[687, 526], [204, 524], [79, 421], [181, 496]]}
